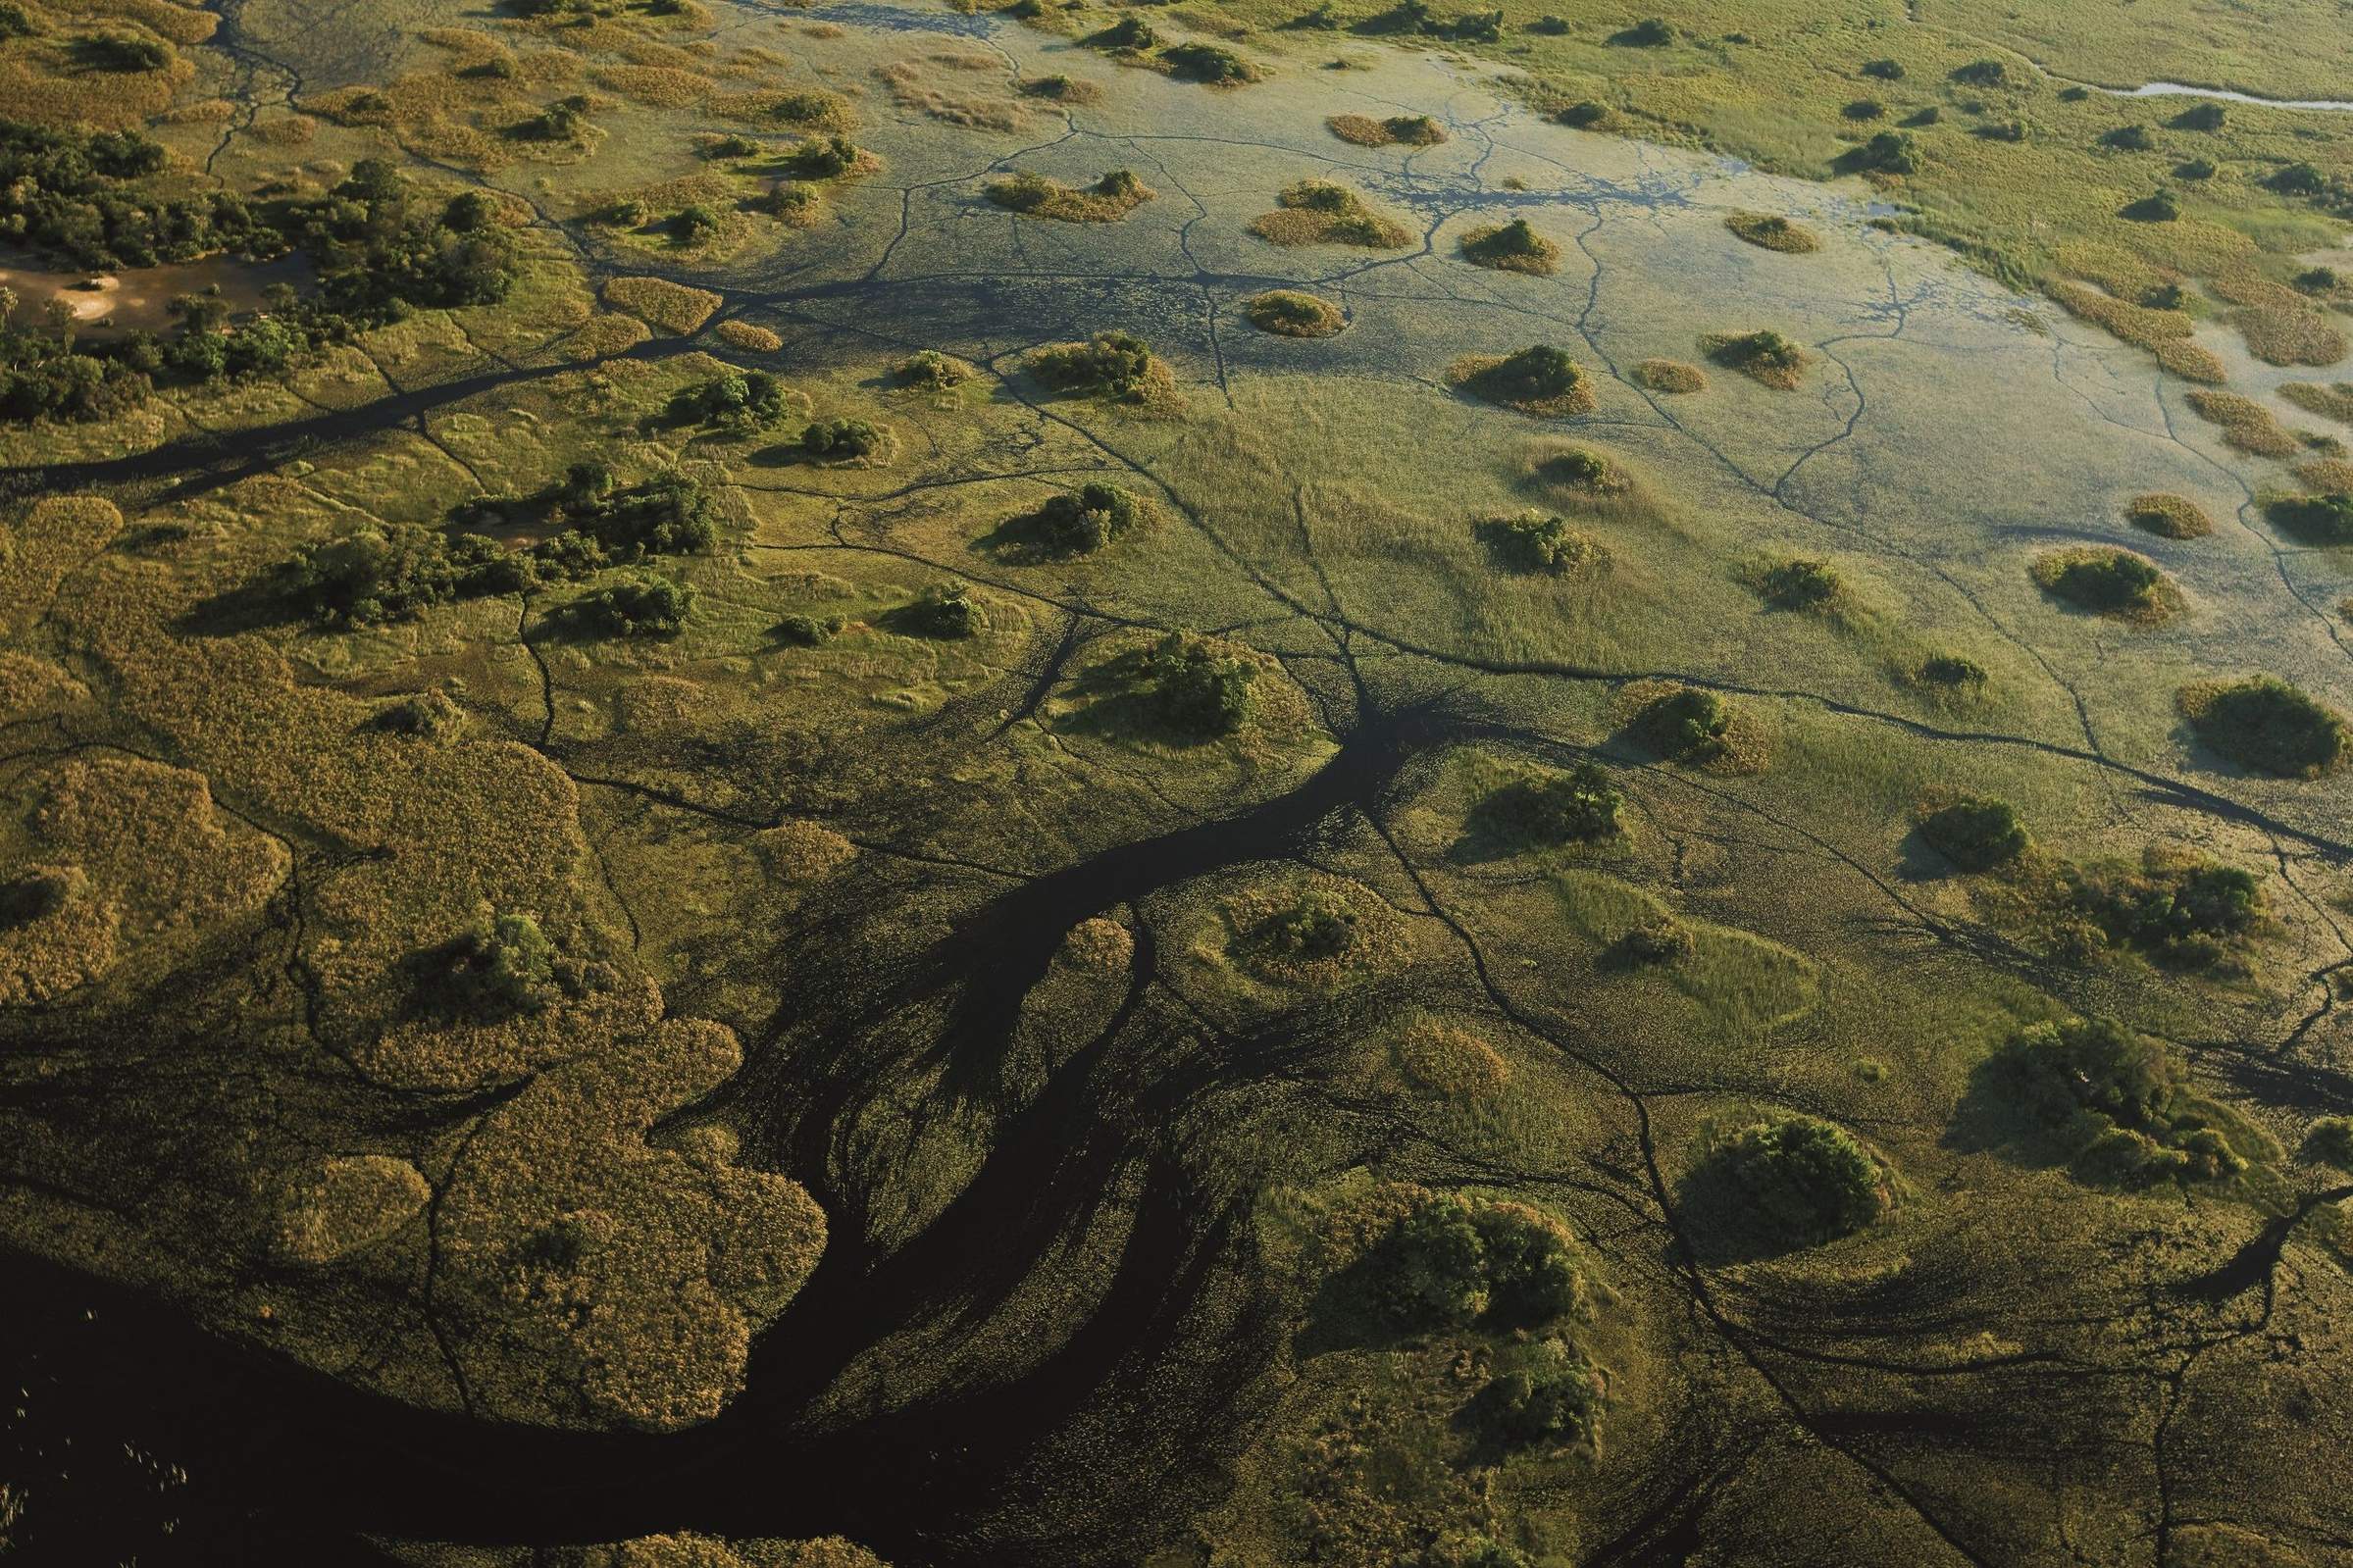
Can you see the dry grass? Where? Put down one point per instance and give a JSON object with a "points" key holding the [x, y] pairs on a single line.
{"points": [[657, 87], [2331, 476], [2163, 332], [1441, 1060], [1321, 212], [1291, 313], [1670, 376], [662, 304], [1106, 201], [2290, 336], [753, 339], [2245, 423], [913, 89], [1063, 90], [2170, 517], [1771, 232], [1409, 130], [2334, 401]]}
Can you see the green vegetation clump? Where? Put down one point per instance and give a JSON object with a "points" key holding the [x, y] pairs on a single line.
{"points": [[428, 714], [15, 22], [2112, 1101], [1793, 1182], [933, 370], [1952, 672], [1890, 152], [1540, 379], [2178, 908], [1113, 197], [2330, 1141], [840, 440], [1312, 212], [2107, 581], [120, 51], [561, 121], [1513, 247], [786, 199], [943, 610], [1583, 115], [1411, 130], [2267, 725], [2128, 138], [636, 607], [1652, 32], [2314, 519], [1652, 942], [1199, 686], [1451, 1261], [2196, 169], [1081, 522], [1539, 542], [1544, 806], [1670, 376], [2200, 116], [1975, 832], [1293, 313], [740, 400], [2159, 206], [1986, 73], [1765, 356], [1885, 70], [500, 969], [1116, 365], [1129, 32], [1318, 926], [1772, 232], [1552, 1395], [1863, 108], [826, 157], [1799, 583], [1687, 723], [1209, 62], [809, 631]]}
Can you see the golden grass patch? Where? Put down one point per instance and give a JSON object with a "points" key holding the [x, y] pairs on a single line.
{"points": [[1293, 313], [2297, 335], [1323, 212], [2329, 475], [918, 92], [1100, 944], [1670, 376], [2245, 423], [2115, 583], [656, 86], [1491, 377], [1764, 357], [748, 337], [1772, 232], [1441, 1060], [2334, 401], [807, 109], [2170, 517], [1511, 247], [669, 307]]}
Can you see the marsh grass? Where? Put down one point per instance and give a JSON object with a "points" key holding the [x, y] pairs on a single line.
{"points": [[1670, 376], [1772, 232], [1407, 131], [2333, 401], [1539, 379]]}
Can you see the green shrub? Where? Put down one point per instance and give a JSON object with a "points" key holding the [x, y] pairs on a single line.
{"points": [[429, 713], [561, 121], [2114, 1100], [1890, 152], [1128, 33], [740, 400], [2128, 138], [1952, 670], [733, 145], [1583, 115], [1687, 723], [500, 969], [2315, 519], [1553, 1395], [1864, 109], [1316, 927], [1207, 61], [2298, 179], [944, 610], [14, 21], [636, 607], [2179, 908], [1113, 364], [1546, 808], [822, 157], [1532, 374], [1650, 32], [1799, 585], [694, 225], [1762, 350], [1084, 522], [2158, 207], [2267, 725], [808, 630], [839, 438], [1799, 1181], [1885, 70], [2200, 116], [2331, 1142], [115, 51], [929, 368], [1655, 941], [2195, 169], [1538, 542], [1515, 240], [34, 895], [1975, 834], [1453, 1260], [1983, 73], [2320, 280], [2106, 581], [786, 199], [1199, 687]]}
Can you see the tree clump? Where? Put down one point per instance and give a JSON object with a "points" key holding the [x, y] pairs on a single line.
{"points": [[1119, 366], [1451, 1261], [638, 606], [1686, 725], [507, 967], [1890, 152], [1772, 232], [2314, 519], [1199, 687], [827, 157], [1324, 212], [1293, 313], [1652, 32], [1210, 63], [944, 610], [1975, 832], [1539, 542], [1798, 584], [2265, 723], [741, 401], [1546, 1393], [1084, 521], [1130, 34], [1546, 808], [1791, 1182], [1411, 130], [1951, 672], [1513, 247], [810, 631], [1763, 356], [1538, 379], [838, 440], [2113, 1102], [2169, 517], [2108, 582], [429, 716], [2176, 907], [1108, 200], [1316, 929], [933, 370]]}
